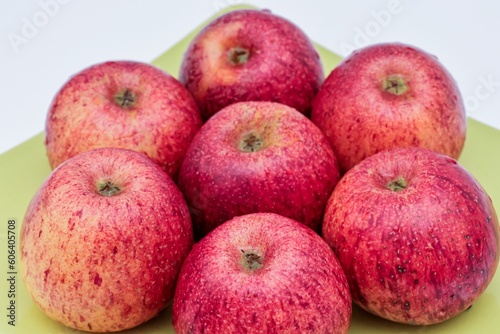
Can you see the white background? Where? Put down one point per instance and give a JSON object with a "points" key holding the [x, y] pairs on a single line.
{"points": [[44, 42]]}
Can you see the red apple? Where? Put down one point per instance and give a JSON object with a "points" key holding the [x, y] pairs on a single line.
{"points": [[261, 273], [103, 241], [122, 104], [251, 55], [386, 96], [416, 234], [257, 157]]}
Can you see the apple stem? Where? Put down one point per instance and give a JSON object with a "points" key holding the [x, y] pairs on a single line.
{"points": [[238, 55], [250, 143], [398, 184], [395, 84], [251, 260], [125, 98], [108, 189]]}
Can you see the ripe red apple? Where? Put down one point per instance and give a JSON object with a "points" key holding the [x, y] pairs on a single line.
{"points": [[261, 273], [386, 96], [416, 234], [257, 157], [103, 241], [251, 55], [122, 104]]}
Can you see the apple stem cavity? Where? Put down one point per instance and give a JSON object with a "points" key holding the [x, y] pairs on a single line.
{"points": [[395, 84], [238, 55], [125, 98], [251, 260], [397, 184], [250, 142], [108, 189]]}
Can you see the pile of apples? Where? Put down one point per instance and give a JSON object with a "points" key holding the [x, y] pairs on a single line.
{"points": [[256, 195]]}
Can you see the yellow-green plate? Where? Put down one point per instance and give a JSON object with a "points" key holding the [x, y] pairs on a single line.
{"points": [[23, 169]]}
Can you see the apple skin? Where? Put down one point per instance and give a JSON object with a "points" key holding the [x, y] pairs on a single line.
{"points": [[84, 114], [292, 171], [420, 255], [261, 273], [360, 116], [280, 64], [99, 263]]}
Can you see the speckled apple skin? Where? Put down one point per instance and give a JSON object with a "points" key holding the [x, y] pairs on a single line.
{"points": [[421, 255], [300, 287], [283, 65], [99, 263], [292, 175], [84, 116], [359, 118]]}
